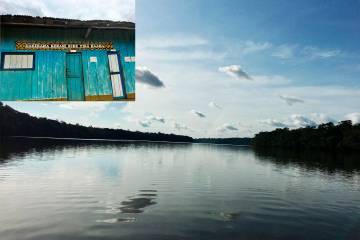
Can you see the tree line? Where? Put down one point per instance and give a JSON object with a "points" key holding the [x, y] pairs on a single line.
{"points": [[14, 123], [329, 136]]}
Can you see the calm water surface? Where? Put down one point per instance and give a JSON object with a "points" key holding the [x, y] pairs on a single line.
{"points": [[73, 190]]}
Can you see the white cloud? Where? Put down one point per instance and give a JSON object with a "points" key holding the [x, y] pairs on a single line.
{"points": [[179, 126], [190, 47], [177, 41], [180, 48], [316, 53], [145, 76], [288, 51], [85, 106], [144, 123], [291, 100], [235, 71], [270, 80], [87, 111], [284, 51], [228, 127], [33, 8], [324, 91], [198, 114], [66, 106], [173, 55], [156, 118], [252, 47], [274, 123], [354, 117], [117, 10], [320, 118], [214, 105], [299, 121]]}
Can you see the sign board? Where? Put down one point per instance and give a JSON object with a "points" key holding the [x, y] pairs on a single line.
{"points": [[25, 45], [93, 59]]}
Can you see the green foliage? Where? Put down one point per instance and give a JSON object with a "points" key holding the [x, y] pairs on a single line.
{"points": [[14, 123], [326, 136]]}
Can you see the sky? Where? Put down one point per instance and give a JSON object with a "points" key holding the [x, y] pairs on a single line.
{"points": [[232, 68], [117, 10]]}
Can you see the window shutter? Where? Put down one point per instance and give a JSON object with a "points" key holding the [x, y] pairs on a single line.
{"points": [[18, 61]]}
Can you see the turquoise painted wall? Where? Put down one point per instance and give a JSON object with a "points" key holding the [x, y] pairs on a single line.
{"points": [[48, 79]]}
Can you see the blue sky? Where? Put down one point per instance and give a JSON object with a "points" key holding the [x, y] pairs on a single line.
{"points": [[233, 68], [322, 26]]}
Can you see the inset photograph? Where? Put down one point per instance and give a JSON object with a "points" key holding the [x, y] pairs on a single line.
{"points": [[73, 57]]}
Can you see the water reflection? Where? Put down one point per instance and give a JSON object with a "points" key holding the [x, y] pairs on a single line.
{"points": [[312, 160], [52, 189], [131, 207], [16, 148], [327, 162], [138, 203], [225, 216]]}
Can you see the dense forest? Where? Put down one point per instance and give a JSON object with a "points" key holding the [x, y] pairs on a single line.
{"points": [[14, 123], [343, 136]]}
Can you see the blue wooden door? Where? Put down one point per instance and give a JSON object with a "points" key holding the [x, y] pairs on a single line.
{"points": [[74, 76]]}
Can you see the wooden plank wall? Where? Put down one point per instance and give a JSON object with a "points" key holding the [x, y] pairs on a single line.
{"points": [[48, 80]]}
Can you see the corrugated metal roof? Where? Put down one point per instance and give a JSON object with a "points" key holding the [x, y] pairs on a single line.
{"points": [[20, 20]]}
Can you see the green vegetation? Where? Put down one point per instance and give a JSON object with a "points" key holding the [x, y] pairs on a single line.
{"points": [[343, 136], [14, 123]]}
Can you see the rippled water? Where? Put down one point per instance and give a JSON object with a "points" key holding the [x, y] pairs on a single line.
{"points": [[72, 190]]}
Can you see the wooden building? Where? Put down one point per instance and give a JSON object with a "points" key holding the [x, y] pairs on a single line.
{"points": [[50, 59]]}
